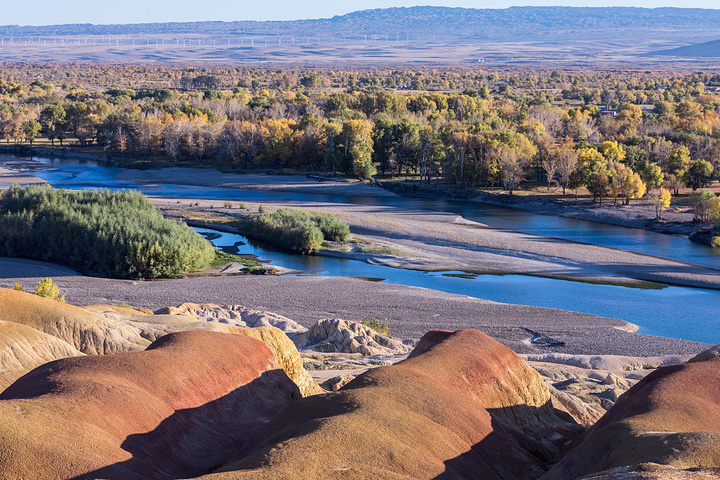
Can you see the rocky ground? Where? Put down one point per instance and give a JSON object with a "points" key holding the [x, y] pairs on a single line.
{"points": [[219, 391], [409, 311]]}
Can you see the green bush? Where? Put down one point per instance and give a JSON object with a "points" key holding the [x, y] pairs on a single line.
{"points": [[333, 229], [46, 289], [377, 325], [116, 234], [295, 229]]}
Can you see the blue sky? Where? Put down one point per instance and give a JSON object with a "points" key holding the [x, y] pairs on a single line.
{"points": [[48, 12]]}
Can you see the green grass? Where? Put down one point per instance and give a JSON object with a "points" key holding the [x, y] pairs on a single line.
{"points": [[251, 266], [113, 234], [222, 258], [382, 250]]}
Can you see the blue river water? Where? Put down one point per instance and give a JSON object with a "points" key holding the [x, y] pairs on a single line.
{"points": [[678, 312]]}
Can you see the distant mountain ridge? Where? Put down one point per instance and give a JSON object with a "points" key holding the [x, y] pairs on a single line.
{"points": [[442, 23]]}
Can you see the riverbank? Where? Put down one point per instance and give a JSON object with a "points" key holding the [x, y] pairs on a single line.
{"points": [[416, 239], [409, 311], [676, 220], [427, 240], [407, 236]]}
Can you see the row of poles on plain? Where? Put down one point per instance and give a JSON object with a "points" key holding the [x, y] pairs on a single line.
{"points": [[199, 42]]}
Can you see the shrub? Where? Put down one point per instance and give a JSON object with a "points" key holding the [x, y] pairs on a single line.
{"points": [[116, 234], [47, 289], [332, 228], [377, 325], [227, 205], [295, 229]]}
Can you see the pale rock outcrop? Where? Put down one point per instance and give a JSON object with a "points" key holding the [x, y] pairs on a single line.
{"points": [[87, 332], [607, 362], [336, 383], [584, 413], [236, 315], [708, 354], [335, 335]]}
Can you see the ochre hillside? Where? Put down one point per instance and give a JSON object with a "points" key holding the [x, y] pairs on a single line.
{"points": [[178, 409], [23, 348], [463, 405], [101, 330], [87, 332], [671, 418]]}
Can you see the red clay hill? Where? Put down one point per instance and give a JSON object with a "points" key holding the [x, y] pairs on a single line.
{"points": [[213, 405]]}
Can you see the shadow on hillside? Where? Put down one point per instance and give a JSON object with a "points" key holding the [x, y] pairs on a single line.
{"points": [[509, 452], [195, 441]]}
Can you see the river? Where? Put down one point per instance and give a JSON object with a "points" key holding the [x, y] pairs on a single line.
{"points": [[678, 312]]}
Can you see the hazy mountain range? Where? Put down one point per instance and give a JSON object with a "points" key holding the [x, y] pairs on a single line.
{"points": [[418, 35], [443, 23]]}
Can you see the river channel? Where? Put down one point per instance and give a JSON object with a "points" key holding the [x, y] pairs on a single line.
{"points": [[678, 312]]}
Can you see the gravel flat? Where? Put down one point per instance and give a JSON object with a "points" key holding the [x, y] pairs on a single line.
{"points": [[409, 311]]}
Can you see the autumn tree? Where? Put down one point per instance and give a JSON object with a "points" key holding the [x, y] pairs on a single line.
{"points": [[358, 148], [706, 206], [514, 160], [624, 183], [660, 197]]}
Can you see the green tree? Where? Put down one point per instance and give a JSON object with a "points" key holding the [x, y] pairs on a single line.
{"points": [[358, 148], [698, 175], [706, 206], [30, 130], [652, 175], [52, 118], [679, 161]]}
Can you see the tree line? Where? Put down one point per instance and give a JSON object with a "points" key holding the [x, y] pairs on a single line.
{"points": [[618, 136]]}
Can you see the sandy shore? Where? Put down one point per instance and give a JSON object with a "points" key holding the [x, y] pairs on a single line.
{"points": [[641, 214], [253, 181], [428, 240], [409, 311], [17, 177]]}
